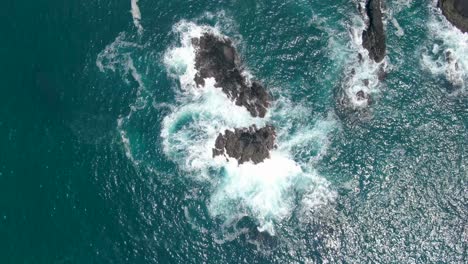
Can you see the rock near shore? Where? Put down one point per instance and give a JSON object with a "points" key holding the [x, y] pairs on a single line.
{"points": [[246, 144], [373, 38], [217, 58]]}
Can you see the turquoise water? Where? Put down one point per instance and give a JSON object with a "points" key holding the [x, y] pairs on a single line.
{"points": [[105, 142]]}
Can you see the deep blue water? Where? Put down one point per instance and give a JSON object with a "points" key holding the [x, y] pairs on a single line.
{"points": [[105, 143]]}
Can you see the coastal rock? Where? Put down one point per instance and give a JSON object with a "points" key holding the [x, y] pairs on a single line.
{"points": [[217, 58], [373, 38], [246, 144], [456, 11]]}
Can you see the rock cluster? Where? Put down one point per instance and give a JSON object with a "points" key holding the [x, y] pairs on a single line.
{"points": [[246, 144], [217, 58], [456, 11], [373, 38]]}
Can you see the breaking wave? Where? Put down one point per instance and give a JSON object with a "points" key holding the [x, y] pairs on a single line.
{"points": [[266, 191], [362, 73], [447, 53]]}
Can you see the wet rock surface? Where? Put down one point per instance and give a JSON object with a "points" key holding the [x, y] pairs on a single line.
{"points": [[462, 7], [456, 11], [373, 38], [246, 144], [217, 58]]}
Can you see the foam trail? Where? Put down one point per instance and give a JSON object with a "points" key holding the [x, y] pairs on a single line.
{"points": [[266, 191], [136, 15], [117, 57], [125, 140]]}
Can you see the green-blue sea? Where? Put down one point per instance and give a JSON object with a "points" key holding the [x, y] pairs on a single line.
{"points": [[106, 141]]}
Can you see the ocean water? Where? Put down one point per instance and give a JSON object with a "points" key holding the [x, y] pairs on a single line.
{"points": [[105, 140]]}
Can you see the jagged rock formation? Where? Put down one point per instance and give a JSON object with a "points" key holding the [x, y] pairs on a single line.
{"points": [[373, 38], [246, 144], [216, 57], [456, 11]]}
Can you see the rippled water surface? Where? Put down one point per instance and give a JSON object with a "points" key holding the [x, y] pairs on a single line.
{"points": [[105, 147]]}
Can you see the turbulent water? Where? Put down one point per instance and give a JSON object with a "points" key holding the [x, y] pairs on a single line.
{"points": [[350, 181]]}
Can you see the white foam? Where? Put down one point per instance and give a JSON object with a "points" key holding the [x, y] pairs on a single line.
{"points": [[262, 188], [447, 54], [312, 137], [125, 140], [136, 15], [265, 191], [190, 131], [180, 61], [400, 32]]}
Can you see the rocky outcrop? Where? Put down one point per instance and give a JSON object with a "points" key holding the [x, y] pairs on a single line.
{"points": [[217, 58], [352, 99], [246, 144], [373, 38], [456, 11]]}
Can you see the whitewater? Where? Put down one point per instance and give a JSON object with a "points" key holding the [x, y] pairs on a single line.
{"points": [[350, 179], [264, 190]]}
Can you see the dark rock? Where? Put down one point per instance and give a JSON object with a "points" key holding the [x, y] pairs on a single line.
{"points": [[373, 38], [448, 56], [456, 11], [462, 7], [360, 57], [217, 58], [382, 74], [363, 96], [262, 239], [246, 144]]}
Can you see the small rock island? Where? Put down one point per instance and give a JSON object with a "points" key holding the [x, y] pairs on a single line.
{"points": [[217, 58], [246, 144]]}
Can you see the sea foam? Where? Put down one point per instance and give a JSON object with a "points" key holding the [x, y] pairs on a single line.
{"points": [[447, 53], [267, 191], [362, 72], [136, 15]]}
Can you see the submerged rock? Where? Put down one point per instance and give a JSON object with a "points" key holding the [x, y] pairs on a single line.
{"points": [[373, 38], [246, 144], [217, 58], [456, 11]]}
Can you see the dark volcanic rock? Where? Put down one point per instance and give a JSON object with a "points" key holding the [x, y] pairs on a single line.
{"points": [[216, 57], [373, 38], [462, 7], [456, 11], [246, 144]]}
